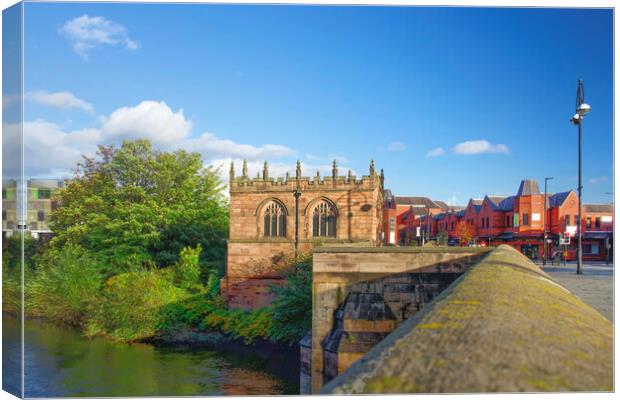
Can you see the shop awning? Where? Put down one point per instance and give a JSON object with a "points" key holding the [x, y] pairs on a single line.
{"points": [[597, 235], [505, 236]]}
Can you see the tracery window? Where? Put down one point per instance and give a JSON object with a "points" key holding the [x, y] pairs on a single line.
{"points": [[274, 220], [324, 220]]}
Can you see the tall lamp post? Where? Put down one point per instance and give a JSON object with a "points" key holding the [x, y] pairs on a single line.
{"points": [[581, 109], [545, 224], [296, 193]]}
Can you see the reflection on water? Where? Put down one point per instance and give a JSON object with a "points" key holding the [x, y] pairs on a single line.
{"points": [[59, 362]]}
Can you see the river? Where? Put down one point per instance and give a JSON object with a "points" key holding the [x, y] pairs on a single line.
{"points": [[59, 362]]}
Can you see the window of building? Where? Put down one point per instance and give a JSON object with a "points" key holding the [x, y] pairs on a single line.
{"points": [[324, 220], [44, 193], [576, 219], [274, 220], [526, 219], [392, 224], [40, 216], [488, 222], [597, 222], [590, 248], [515, 220], [567, 220], [589, 222], [508, 224], [3, 215]]}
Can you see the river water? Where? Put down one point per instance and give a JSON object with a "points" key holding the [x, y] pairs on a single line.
{"points": [[58, 362]]}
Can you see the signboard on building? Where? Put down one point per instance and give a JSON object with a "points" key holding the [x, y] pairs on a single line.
{"points": [[607, 218], [535, 216], [571, 230]]}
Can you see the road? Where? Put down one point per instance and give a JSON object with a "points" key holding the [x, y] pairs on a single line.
{"points": [[595, 286]]}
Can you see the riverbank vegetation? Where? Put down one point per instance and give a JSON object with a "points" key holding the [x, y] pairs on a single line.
{"points": [[138, 253]]}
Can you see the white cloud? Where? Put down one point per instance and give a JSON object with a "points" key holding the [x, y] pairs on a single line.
{"points": [[597, 180], [49, 151], [212, 147], [86, 33], [396, 146], [480, 146], [64, 100], [148, 120], [437, 152]]}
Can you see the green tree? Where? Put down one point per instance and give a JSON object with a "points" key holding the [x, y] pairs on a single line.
{"points": [[291, 316], [135, 207]]}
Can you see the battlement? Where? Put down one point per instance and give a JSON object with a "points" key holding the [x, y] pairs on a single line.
{"points": [[264, 183]]}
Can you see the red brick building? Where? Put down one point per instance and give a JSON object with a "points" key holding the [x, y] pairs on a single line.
{"points": [[519, 220], [400, 211]]}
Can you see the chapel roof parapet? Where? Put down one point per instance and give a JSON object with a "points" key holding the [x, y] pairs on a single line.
{"points": [[264, 182]]}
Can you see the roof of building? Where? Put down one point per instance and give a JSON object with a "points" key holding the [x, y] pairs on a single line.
{"points": [[507, 204], [416, 201], [460, 213], [601, 208], [495, 202], [556, 200], [439, 216], [528, 187]]}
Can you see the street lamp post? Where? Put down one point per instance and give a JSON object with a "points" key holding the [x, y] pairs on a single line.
{"points": [[296, 193], [582, 108], [545, 224]]}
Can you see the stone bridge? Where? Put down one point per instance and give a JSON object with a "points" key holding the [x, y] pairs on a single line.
{"points": [[448, 320]]}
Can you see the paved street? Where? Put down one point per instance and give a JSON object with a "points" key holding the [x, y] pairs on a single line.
{"points": [[595, 286]]}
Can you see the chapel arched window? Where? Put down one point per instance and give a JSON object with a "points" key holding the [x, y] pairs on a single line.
{"points": [[274, 220], [324, 220]]}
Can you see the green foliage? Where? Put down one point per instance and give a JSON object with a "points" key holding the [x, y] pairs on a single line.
{"points": [[248, 325], [135, 207], [131, 305], [291, 308], [66, 286], [213, 283], [187, 270]]}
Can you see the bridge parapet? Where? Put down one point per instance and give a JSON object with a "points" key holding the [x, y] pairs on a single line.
{"points": [[504, 326], [404, 279]]}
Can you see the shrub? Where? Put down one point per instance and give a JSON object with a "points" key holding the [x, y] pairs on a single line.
{"points": [[291, 307], [65, 287], [132, 303], [187, 269]]}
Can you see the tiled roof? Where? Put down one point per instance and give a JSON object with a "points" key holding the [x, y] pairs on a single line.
{"points": [[507, 204], [558, 199], [528, 187], [419, 201], [600, 208], [495, 201]]}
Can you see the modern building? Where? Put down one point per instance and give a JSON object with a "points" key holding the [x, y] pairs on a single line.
{"points": [[520, 220], [266, 213], [40, 202]]}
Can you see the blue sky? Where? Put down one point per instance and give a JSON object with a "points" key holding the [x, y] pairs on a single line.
{"points": [[449, 101]]}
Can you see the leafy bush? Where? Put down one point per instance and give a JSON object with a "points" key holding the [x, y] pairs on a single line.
{"points": [[65, 287], [131, 306], [248, 325], [187, 269], [291, 307]]}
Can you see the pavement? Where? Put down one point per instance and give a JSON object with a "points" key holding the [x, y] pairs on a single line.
{"points": [[595, 286]]}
